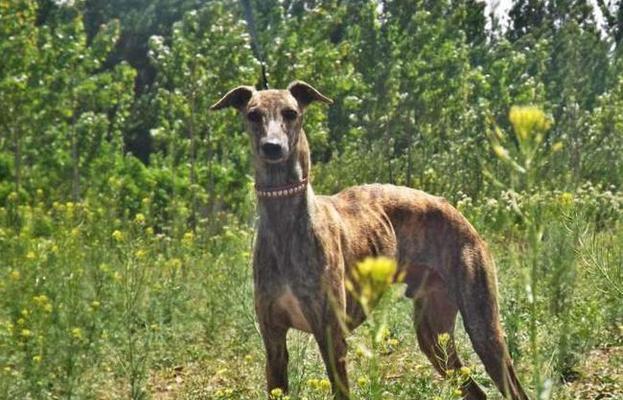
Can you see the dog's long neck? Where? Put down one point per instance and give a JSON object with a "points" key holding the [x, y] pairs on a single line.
{"points": [[281, 213]]}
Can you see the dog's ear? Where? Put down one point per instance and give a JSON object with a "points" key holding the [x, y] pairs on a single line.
{"points": [[237, 98], [305, 93]]}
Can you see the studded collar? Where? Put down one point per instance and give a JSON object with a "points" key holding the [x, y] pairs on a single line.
{"points": [[282, 191]]}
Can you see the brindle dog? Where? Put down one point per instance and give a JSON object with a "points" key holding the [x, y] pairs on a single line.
{"points": [[307, 246]]}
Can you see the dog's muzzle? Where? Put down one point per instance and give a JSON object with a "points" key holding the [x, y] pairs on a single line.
{"points": [[273, 150]]}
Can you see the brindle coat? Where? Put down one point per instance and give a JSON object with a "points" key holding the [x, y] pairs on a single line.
{"points": [[307, 245]]}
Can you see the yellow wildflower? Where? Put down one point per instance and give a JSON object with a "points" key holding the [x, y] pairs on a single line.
{"points": [[139, 219], [117, 235], [381, 334], [26, 333], [224, 393], [565, 199], [69, 210], [76, 333], [15, 275], [362, 351], [527, 120], [175, 263], [362, 381], [276, 393], [371, 277], [188, 238], [443, 339], [313, 383], [325, 385], [501, 152], [104, 267], [381, 269], [43, 301]]}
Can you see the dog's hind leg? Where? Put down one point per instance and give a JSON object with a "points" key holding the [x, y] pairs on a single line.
{"points": [[434, 315], [477, 298]]}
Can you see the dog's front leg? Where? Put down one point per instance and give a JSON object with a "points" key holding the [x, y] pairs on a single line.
{"points": [[274, 337], [332, 344]]}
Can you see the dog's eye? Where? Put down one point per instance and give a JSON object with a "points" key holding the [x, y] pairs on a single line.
{"points": [[254, 116], [289, 114]]}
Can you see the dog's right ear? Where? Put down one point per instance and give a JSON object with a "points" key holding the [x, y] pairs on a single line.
{"points": [[237, 98]]}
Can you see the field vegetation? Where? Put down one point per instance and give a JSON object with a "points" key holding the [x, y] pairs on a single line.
{"points": [[127, 210]]}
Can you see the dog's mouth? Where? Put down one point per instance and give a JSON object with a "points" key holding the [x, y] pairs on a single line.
{"points": [[274, 160]]}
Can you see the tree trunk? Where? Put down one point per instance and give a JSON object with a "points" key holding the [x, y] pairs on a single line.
{"points": [[193, 173], [75, 158], [17, 157]]}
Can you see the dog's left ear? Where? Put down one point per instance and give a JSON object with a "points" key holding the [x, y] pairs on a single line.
{"points": [[305, 93]]}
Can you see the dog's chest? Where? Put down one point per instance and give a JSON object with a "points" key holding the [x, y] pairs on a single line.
{"points": [[289, 306]]}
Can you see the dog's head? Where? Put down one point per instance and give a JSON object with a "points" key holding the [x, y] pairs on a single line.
{"points": [[273, 117]]}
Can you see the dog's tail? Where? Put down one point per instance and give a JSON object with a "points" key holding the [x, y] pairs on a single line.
{"points": [[477, 301]]}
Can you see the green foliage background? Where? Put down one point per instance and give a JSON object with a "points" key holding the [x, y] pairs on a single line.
{"points": [[129, 206]]}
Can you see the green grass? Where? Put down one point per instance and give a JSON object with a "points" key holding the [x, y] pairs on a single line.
{"points": [[98, 306]]}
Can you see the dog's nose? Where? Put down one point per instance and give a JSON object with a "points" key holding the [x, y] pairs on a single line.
{"points": [[272, 150]]}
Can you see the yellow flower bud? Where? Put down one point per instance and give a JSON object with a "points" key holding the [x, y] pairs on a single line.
{"points": [[443, 339], [15, 275], [527, 120], [117, 235], [139, 219], [76, 333]]}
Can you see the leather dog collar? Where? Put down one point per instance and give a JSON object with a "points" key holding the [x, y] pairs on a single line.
{"points": [[282, 191]]}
